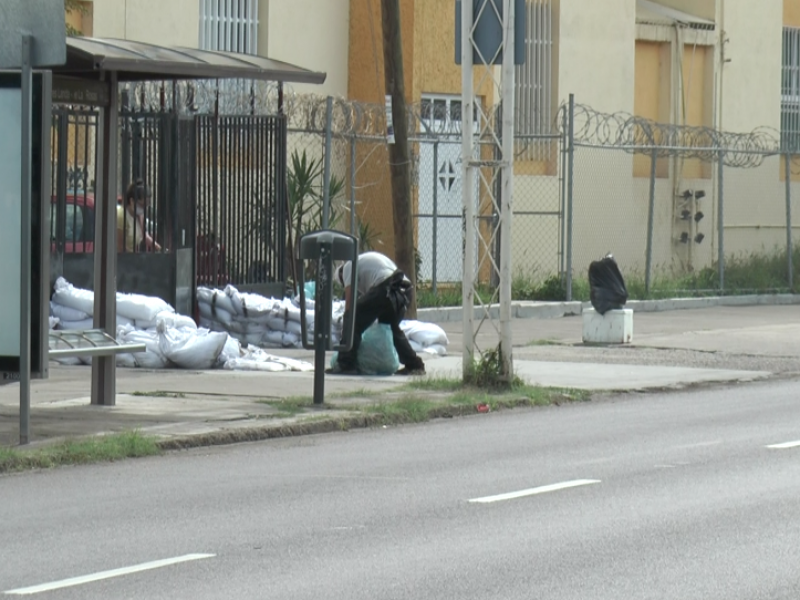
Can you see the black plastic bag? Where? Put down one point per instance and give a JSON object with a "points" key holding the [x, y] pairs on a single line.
{"points": [[607, 287]]}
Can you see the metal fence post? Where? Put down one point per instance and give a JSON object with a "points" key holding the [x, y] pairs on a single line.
{"points": [[326, 176], [789, 265], [434, 223], [650, 219], [721, 222], [353, 185], [570, 178]]}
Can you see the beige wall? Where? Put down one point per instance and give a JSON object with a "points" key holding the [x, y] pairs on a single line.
{"points": [[596, 53], [705, 9], [751, 81], [313, 34], [174, 23]]}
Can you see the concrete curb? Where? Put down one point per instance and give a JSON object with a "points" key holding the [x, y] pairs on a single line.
{"points": [[554, 310]]}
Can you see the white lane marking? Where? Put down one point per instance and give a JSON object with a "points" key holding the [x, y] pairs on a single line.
{"points": [[537, 490], [156, 564], [785, 445], [699, 445]]}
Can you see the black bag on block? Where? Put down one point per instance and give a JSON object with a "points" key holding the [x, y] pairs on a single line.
{"points": [[606, 286]]}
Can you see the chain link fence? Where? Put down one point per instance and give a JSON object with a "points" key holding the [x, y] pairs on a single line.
{"points": [[686, 211]]}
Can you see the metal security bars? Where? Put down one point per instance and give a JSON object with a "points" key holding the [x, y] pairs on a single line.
{"points": [[533, 91], [241, 201], [790, 91], [229, 25]]}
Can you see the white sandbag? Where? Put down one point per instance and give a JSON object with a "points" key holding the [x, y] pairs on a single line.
{"points": [[230, 351], [71, 297], [434, 350], [76, 325], [215, 313], [54, 321], [174, 321], [68, 361], [251, 306], [291, 340], [252, 338], [152, 358], [278, 324], [140, 307], [65, 313], [243, 364], [425, 334], [215, 299], [272, 338], [126, 361], [191, 349]]}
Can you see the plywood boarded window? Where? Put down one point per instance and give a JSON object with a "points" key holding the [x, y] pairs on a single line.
{"points": [[696, 103], [652, 85]]}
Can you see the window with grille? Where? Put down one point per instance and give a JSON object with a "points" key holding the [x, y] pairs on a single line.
{"points": [[790, 91], [229, 25], [534, 77]]}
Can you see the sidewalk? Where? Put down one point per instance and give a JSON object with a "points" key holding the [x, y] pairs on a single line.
{"points": [[671, 349]]}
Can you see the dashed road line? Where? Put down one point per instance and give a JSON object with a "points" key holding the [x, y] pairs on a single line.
{"points": [[534, 491]]}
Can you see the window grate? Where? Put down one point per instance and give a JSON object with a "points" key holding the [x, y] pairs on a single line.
{"points": [[533, 97], [790, 91], [229, 25]]}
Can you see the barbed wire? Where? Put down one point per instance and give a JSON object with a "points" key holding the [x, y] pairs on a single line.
{"points": [[431, 120], [645, 136]]}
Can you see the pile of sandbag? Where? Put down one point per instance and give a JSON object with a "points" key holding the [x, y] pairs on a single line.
{"points": [[276, 323], [171, 340], [256, 320]]}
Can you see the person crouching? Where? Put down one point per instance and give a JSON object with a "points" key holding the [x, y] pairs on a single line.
{"points": [[384, 293]]}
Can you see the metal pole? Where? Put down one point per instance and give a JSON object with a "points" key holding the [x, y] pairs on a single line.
{"points": [[563, 193], [435, 224], [789, 258], [353, 186], [322, 319], [570, 177], [506, 204], [721, 222], [25, 244], [650, 218], [468, 171], [326, 176]]}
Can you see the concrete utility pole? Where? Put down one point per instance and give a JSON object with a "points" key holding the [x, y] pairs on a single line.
{"points": [[399, 154]]}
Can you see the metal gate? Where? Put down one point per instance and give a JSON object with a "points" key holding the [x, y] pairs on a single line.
{"points": [[241, 199]]}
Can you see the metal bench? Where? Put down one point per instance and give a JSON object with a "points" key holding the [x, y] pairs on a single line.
{"points": [[88, 342]]}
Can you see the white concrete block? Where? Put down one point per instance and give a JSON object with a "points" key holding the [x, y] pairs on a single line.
{"points": [[614, 327]]}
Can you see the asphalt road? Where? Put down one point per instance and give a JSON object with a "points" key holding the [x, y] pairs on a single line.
{"points": [[636, 497]]}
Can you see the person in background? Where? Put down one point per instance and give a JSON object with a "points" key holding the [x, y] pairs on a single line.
{"points": [[383, 294], [132, 235]]}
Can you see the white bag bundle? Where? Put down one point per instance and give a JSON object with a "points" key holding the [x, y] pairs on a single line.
{"points": [[71, 297], [191, 349], [215, 300], [175, 321], [230, 351], [75, 325], [140, 307], [65, 313], [244, 364], [425, 334], [250, 306], [54, 321], [152, 358]]}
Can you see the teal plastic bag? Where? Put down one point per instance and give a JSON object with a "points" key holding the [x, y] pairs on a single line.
{"points": [[376, 354]]}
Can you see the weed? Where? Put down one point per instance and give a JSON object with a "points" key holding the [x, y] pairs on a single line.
{"points": [[130, 444]]}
